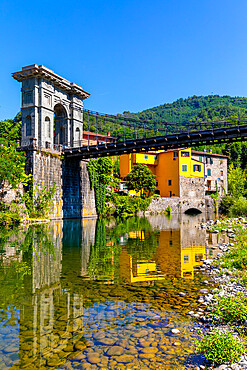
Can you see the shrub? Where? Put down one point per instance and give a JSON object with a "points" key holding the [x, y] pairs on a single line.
{"points": [[231, 308], [219, 347], [226, 204], [38, 203], [8, 218], [126, 205], [168, 210], [239, 207], [237, 257]]}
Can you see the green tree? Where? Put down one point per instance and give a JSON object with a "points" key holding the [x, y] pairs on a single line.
{"points": [[12, 166], [236, 181], [141, 179]]}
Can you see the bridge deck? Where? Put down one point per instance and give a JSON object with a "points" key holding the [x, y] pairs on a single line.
{"points": [[180, 140]]}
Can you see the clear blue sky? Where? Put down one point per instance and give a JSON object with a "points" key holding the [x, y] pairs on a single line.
{"points": [[129, 54]]}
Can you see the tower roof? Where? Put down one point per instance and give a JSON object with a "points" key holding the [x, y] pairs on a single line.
{"points": [[41, 71]]}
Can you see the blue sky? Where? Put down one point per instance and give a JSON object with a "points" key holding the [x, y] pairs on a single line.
{"points": [[129, 54]]}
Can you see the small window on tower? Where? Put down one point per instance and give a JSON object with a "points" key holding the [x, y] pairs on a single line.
{"points": [[169, 182]]}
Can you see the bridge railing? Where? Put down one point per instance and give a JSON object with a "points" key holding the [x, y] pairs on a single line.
{"points": [[126, 127], [34, 144]]}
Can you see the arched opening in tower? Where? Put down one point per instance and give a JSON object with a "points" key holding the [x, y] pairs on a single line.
{"points": [[60, 125]]}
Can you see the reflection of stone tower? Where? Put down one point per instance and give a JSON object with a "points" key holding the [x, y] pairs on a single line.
{"points": [[50, 314], [45, 95], [81, 235], [47, 259]]}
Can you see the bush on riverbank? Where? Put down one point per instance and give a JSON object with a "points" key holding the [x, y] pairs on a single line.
{"points": [[231, 309], [234, 204], [8, 218], [125, 205], [38, 203], [236, 259], [219, 347], [233, 207]]}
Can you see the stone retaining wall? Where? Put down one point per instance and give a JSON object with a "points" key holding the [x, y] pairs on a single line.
{"points": [[178, 205], [74, 198]]}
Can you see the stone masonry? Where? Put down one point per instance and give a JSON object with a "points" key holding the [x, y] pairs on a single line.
{"points": [[74, 198], [177, 204]]}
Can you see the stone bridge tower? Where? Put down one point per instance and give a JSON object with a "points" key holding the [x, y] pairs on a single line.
{"points": [[52, 107], [52, 118]]}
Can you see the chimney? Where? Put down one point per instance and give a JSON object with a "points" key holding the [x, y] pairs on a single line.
{"points": [[108, 133]]}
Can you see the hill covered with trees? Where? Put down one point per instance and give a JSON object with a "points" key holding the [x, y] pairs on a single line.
{"points": [[195, 108]]}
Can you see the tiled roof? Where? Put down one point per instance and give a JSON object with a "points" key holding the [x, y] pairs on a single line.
{"points": [[208, 154]]}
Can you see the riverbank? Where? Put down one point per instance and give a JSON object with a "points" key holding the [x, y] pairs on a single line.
{"points": [[225, 318]]}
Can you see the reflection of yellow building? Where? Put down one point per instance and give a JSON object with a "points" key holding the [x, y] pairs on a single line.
{"points": [[190, 258], [138, 271], [170, 167], [175, 260], [177, 254], [139, 234]]}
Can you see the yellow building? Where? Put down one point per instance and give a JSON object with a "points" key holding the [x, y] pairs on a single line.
{"points": [[177, 174]]}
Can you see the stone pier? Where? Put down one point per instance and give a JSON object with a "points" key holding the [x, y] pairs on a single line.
{"points": [[73, 198]]}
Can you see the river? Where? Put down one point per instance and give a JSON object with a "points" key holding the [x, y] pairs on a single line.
{"points": [[102, 294]]}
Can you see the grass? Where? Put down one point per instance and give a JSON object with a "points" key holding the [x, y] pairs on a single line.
{"points": [[219, 347]]}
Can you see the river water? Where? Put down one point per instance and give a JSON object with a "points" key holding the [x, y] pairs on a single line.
{"points": [[101, 294]]}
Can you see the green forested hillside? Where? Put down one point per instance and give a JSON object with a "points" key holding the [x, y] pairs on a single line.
{"points": [[203, 109], [195, 108]]}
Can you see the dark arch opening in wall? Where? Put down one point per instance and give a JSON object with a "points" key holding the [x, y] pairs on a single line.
{"points": [[60, 123], [192, 211], [48, 126], [28, 126], [77, 137]]}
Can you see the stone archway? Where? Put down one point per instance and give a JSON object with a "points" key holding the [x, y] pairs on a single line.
{"points": [[60, 125], [44, 93]]}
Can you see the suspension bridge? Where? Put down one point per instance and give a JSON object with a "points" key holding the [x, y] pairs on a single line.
{"points": [[130, 134]]}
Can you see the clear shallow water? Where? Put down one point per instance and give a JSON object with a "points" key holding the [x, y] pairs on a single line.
{"points": [[93, 294]]}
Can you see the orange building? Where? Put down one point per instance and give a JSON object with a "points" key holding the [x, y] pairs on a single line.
{"points": [[177, 174]]}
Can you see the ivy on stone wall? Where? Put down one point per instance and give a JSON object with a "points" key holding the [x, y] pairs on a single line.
{"points": [[100, 175]]}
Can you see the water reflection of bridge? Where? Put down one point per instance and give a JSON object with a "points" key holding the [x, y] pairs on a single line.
{"points": [[55, 314]]}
